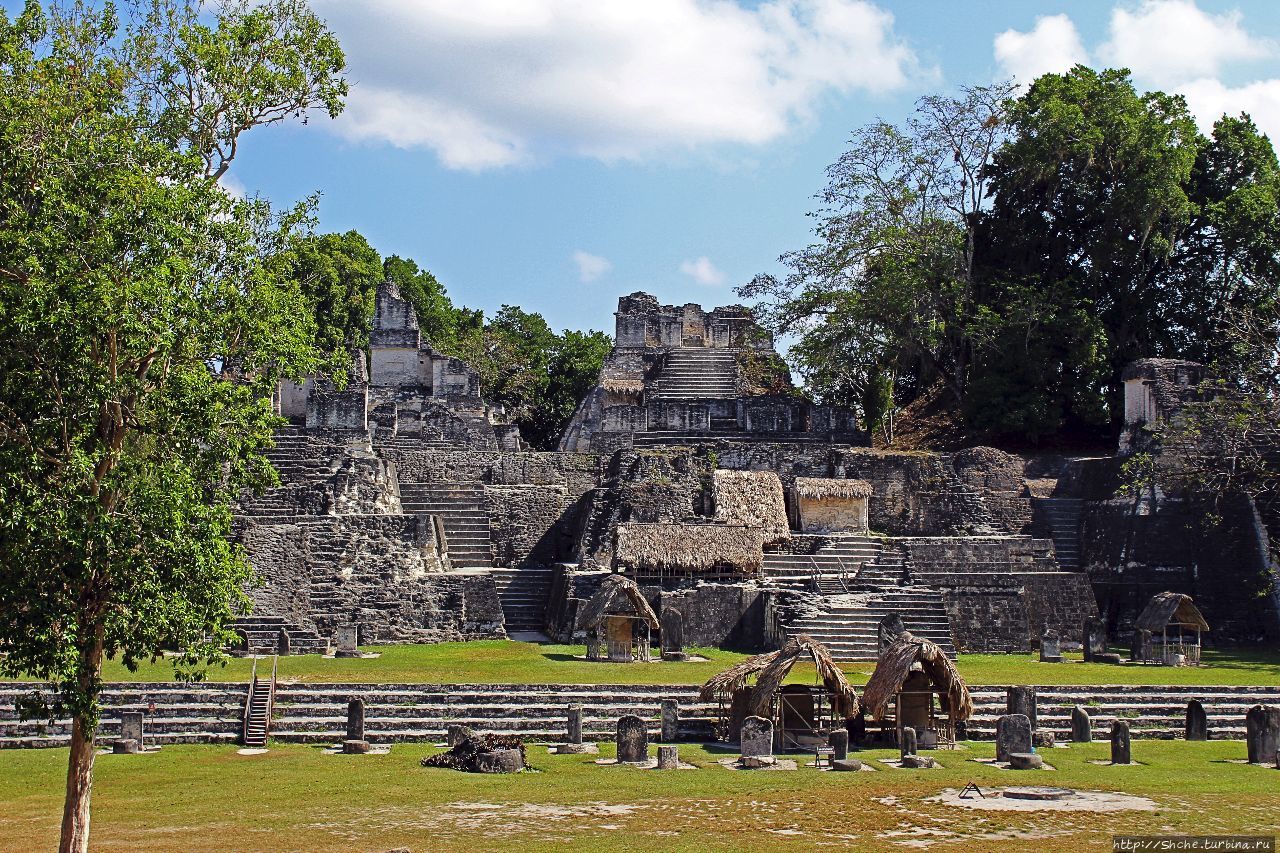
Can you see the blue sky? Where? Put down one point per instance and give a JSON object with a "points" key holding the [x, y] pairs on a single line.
{"points": [[556, 154]]}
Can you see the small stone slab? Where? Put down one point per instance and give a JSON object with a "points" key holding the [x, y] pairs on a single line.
{"points": [[846, 764], [500, 761], [1039, 793], [126, 746], [758, 765], [917, 762], [574, 749], [355, 747], [668, 757], [1042, 739], [1107, 657], [1025, 761]]}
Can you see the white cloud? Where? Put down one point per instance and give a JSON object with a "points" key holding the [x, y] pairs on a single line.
{"points": [[1210, 99], [1170, 45], [1174, 41], [491, 83], [232, 186], [1052, 46], [702, 271], [590, 267]]}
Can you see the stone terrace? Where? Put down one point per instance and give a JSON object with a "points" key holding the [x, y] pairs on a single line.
{"points": [[316, 713]]}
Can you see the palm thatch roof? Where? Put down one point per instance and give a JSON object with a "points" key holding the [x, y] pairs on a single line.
{"points": [[1170, 608], [771, 668], [689, 548], [815, 488], [753, 498], [618, 595], [895, 665]]}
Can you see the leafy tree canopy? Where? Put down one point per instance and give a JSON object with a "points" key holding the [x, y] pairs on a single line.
{"points": [[141, 330]]}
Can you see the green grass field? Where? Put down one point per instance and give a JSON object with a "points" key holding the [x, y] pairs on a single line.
{"points": [[506, 662], [209, 798]]}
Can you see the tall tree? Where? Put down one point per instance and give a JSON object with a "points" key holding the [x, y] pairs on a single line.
{"points": [[339, 275], [141, 331], [883, 299], [1089, 202]]}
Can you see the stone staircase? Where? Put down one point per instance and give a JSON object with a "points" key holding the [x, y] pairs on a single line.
{"points": [[849, 624], [212, 712], [460, 507], [1151, 712], [257, 709], [662, 437], [698, 373], [263, 635], [316, 713], [298, 459], [524, 593], [831, 561], [1062, 518]]}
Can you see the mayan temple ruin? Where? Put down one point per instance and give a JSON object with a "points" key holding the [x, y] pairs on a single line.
{"points": [[409, 510]]}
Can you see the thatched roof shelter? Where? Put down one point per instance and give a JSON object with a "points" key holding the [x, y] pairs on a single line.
{"points": [[816, 488], [754, 499], [689, 548], [770, 670], [895, 665], [617, 595], [1170, 608]]}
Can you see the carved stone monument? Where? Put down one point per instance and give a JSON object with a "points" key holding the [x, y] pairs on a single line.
{"points": [[907, 743], [1121, 752], [1013, 734], [1197, 721], [1262, 733], [456, 733], [346, 638], [838, 740], [757, 738], [1081, 725], [668, 757], [355, 744], [1021, 700], [633, 740], [670, 720], [889, 629], [1095, 638], [131, 727], [673, 635], [1050, 647]]}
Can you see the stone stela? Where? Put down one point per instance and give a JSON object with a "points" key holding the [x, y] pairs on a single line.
{"points": [[632, 739]]}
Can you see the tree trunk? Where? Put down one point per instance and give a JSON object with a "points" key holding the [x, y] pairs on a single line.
{"points": [[75, 809]]}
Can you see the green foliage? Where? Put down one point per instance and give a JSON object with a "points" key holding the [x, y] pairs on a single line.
{"points": [[339, 276], [141, 331], [883, 297], [1019, 252]]}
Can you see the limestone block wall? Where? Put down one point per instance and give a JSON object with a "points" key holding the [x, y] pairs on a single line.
{"points": [[1008, 612], [1132, 550], [717, 615], [384, 573], [999, 476], [530, 524]]}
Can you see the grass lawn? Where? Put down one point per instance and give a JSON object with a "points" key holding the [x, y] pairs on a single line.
{"points": [[208, 798], [507, 662]]}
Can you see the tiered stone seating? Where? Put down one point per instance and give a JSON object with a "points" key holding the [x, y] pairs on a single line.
{"points": [[1151, 712]]}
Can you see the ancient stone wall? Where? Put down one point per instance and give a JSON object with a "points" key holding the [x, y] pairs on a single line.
{"points": [[1000, 479], [717, 615], [1135, 549], [530, 524], [1008, 612]]}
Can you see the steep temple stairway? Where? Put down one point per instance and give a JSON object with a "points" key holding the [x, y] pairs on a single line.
{"points": [[1062, 517], [524, 592], [699, 372], [460, 507], [849, 624]]}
